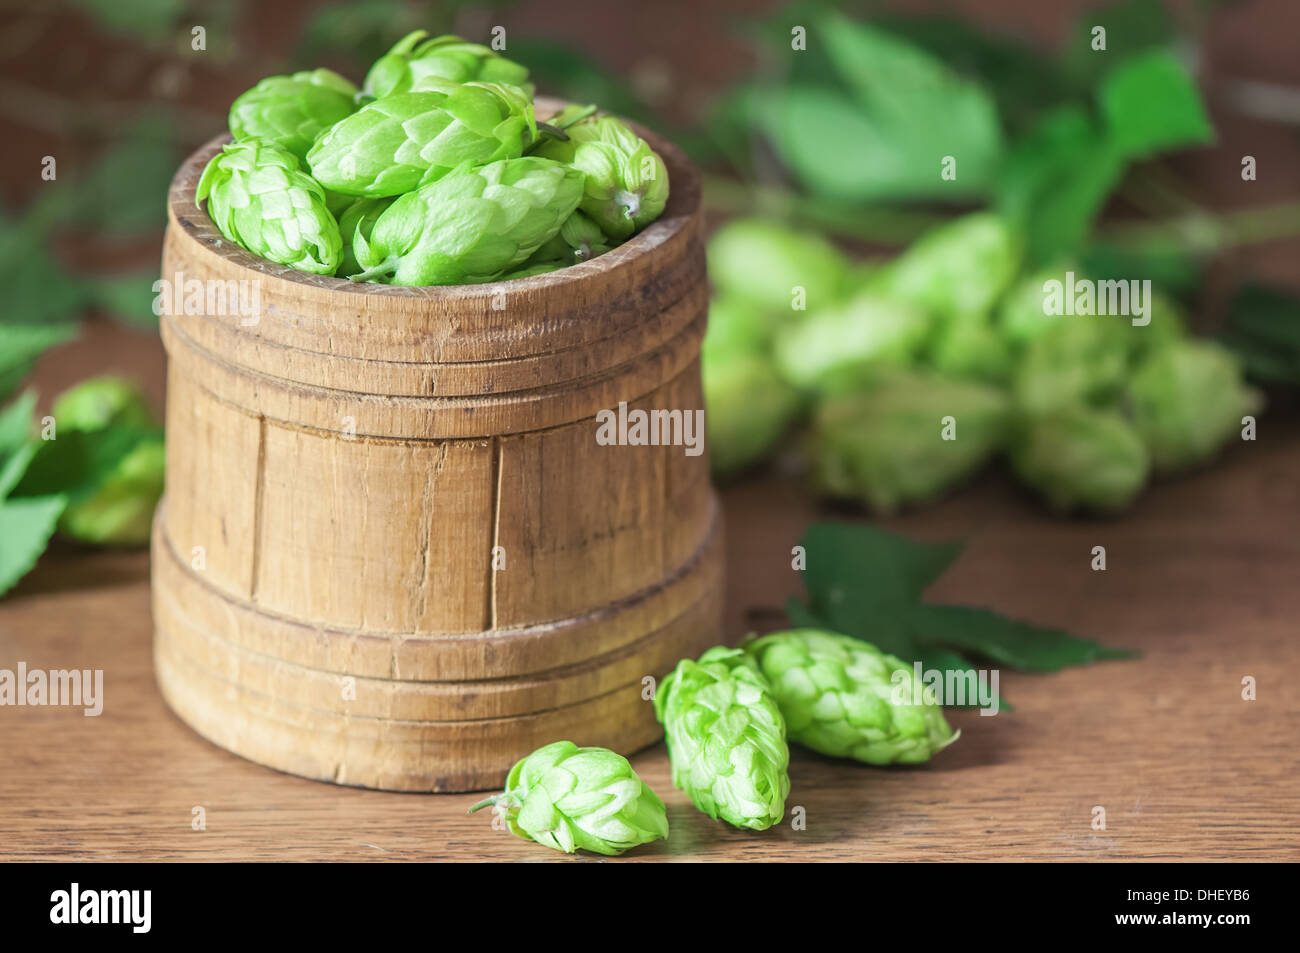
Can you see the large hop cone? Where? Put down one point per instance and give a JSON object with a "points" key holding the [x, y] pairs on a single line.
{"points": [[415, 58], [257, 196], [471, 225], [846, 698], [627, 182], [726, 738], [291, 111], [568, 797], [392, 145]]}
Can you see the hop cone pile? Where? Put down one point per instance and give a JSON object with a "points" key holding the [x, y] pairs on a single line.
{"points": [[726, 738], [567, 797], [291, 111], [471, 225], [415, 58], [394, 144], [627, 183], [845, 698], [258, 197]]}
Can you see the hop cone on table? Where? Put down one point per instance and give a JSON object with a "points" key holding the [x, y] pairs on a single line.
{"points": [[291, 111], [397, 143], [726, 738], [846, 698], [471, 225], [257, 196], [626, 181], [1079, 457], [567, 797], [415, 58]]}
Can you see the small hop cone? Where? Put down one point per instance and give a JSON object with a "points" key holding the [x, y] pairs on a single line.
{"points": [[258, 197], [726, 738], [396, 144], [626, 181], [472, 225], [291, 111], [356, 222], [840, 696], [566, 797], [579, 239], [415, 58]]}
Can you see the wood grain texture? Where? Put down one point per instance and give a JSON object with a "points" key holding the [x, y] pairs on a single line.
{"points": [[396, 552], [1201, 579]]}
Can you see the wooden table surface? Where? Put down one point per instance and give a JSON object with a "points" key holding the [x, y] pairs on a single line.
{"points": [[1202, 577]]}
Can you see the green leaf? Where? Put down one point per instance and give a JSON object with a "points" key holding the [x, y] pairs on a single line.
{"points": [[1056, 181], [22, 344], [143, 19], [1151, 104], [16, 423], [1263, 328], [125, 191], [1010, 642], [127, 297], [1172, 268], [943, 660], [908, 112], [77, 461], [26, 527], [1132, 26], [38, 291], [1023, 81]]}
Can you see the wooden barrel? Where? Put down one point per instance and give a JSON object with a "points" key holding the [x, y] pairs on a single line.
{"points": [[393, 551]]}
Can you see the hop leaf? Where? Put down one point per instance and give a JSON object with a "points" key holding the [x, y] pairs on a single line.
{"points": [[626, 181], [844, 697], [726, 738], [257, 196], [395, 144], [567, 797], [291, 111], [472, 225], [415, 58]]}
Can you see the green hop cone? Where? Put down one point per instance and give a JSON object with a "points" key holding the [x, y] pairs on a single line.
{"points": [[291, 111], [359, 215], [1077, 360], [737, 325], [415, 58], [258, 197], [1021, 317], [471, 225], [579, 239], [726, 738], [95, 403], [889, 442], [961, 268], [764, 262], [845, 698], [970, 345], [1081, 458], [748, 408], [626, 182], [395, 144], [567, 797], [831, 349], [1187, 401]]}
